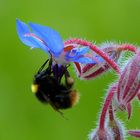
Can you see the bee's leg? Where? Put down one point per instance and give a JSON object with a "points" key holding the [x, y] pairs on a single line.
{"points": [[49, 69], [53, 106], [58, 72], [68, 80], [41, 68]]}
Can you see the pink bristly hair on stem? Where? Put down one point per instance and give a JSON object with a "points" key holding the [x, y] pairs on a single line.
{"points": [[127, 47], [106, 107], [95, 49]]}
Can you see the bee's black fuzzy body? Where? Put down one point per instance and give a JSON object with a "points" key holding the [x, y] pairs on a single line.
{"points": [[48, 87]]}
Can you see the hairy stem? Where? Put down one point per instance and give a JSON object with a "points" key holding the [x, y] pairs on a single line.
{"points": [[105, 107], [127, 47]]}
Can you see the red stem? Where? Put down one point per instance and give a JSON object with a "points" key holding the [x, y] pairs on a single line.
{"points": [[105, 107], [127, 47]]}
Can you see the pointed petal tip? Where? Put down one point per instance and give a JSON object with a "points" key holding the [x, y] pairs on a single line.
{"points": [[18, 21], [50, 36], [38, 36], [27, 37], [129, 110], [135, 133]]}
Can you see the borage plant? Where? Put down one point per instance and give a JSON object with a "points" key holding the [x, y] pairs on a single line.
{"points": [[119, 97], [90, 61]]}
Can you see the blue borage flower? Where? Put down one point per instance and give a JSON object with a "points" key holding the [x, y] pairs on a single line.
{"points": [[90, 61], [45, 38]]}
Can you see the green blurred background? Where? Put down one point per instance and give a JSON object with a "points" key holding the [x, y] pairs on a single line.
{"points": [[22, 117]]}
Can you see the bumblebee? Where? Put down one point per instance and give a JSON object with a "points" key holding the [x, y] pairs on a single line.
{"points": [[49, 87]]}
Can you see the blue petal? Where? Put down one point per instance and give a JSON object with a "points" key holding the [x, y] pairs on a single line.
{"points": [[76, 52], [51, 37], [99, 59], [29, 40], [84, 60], [77, 55], [82, 50]]}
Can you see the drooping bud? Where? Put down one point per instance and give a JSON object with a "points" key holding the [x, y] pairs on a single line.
{"points": [[101, 134], [129, 83], [117, 129], [101, 62], [115, 125], [89, 71]]}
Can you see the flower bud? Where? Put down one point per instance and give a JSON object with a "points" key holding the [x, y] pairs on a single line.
{"points": [[117, 129], [129, 83], [89, 71], [101, 134]]}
